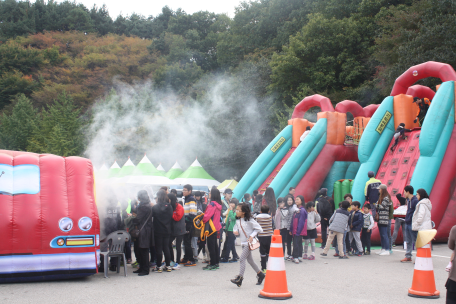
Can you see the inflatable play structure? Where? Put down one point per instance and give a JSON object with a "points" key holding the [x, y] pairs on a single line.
{"points": [[48, 217], [335, 151]]}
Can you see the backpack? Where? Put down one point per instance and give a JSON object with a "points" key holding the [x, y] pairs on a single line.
{"points": [[367, 221]]}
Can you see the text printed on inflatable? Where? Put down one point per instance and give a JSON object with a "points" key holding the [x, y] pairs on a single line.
{"points": [[381, 126], [278, 144]]}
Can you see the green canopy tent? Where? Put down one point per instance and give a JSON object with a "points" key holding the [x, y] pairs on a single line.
{"points": [[146, 174], [114, 170], [160, 168], [175, 171], [195, 175]]}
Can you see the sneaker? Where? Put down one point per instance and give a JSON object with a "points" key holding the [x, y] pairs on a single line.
{"points": [[405, 260], [289, 258], [224, 261], [394, 245], [385, 253], [296, 261], [157, 269], [367, 253], [190, 264], [152, 264], [129, 261], [205, 261], [311, 258], [343, 257], [135, 265], [304, 257], [183, 261], [350, 253], [359, 254], [209, 267], [232, 261], [336, 255], [168, 268], [264, 271], [217, 266], [176, 267], [300, 259], [391, 252], [381, 251], [323, 254]]}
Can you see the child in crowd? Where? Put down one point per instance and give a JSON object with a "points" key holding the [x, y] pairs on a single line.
{"points": [[229, 245], [338, 224], [298, 228], [356, 222], [247, 228], [312, 219], [344, 243], [368, 224], [280, 222], [246, 200], [291, 208], [265, 221], [257, 204], [400, 131]]}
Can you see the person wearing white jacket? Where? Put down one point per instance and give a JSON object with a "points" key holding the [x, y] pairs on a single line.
{"points": [[421, 219]]}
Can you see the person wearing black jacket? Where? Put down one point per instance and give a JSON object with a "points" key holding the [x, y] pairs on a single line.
{"points": [[111, 222], [162, 213], [325, 207], [145, 239]]}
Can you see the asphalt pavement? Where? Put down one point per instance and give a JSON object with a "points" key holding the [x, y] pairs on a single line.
{"points": [[366, 279]]}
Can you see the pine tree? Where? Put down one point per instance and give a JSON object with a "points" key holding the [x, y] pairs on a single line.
{"points": [[59, 131], [16, 128]]}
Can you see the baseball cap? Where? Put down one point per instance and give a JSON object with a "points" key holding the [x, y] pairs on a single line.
{"points": [[228, 191], [382, 186]]}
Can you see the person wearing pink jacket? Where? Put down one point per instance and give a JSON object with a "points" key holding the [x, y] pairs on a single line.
{"points": [[213, 212]]}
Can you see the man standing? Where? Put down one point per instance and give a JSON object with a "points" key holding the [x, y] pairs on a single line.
{"points": [[409, 234], [423, 107], [292, 191], [190, 210], [325, 207], [371, 191]]}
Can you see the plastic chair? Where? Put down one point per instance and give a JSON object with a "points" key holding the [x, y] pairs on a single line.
{"points": [[116, 244]]}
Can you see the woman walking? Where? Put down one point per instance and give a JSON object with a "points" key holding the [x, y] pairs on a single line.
{"points": [[247, 228], [163, 218], [145, 239], [213, 210], [383, 208]]}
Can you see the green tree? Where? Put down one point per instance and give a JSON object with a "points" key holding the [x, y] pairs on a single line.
{"points": [[16, 128], [60, 129]]}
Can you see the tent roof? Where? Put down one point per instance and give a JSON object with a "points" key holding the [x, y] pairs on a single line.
{"points": [[146, 168], [127, 169], [175, 171], [228, 184], [114, 170], [197, 176], [160, 168]]}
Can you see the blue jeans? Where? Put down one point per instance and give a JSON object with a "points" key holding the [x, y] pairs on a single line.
{"points": [[345, 247], [384, 237], [410, 239], [390, 242]]}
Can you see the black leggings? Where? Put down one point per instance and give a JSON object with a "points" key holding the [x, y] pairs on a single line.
{"points": [[162, 247], [289, 240], [284, 233], [144, 260], [213, 248], [179, 240]]}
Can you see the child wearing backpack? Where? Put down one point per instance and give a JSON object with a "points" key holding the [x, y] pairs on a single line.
{"points": [[312, 219], [368, 224]]}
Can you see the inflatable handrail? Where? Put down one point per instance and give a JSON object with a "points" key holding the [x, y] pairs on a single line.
{"points": [[428, 69], [312, 101], [421, 92], [354, 108]]}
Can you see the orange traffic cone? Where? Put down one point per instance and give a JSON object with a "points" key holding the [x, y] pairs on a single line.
{"points": [[275, 284], [423, 285]]}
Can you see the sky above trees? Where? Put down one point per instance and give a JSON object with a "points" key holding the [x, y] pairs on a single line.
{"points": [[154, 8]]}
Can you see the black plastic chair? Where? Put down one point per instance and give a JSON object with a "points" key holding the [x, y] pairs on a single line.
{"points": [[116, 245]]}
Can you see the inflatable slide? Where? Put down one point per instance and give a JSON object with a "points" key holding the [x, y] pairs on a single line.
{"points": [[335, 150]]}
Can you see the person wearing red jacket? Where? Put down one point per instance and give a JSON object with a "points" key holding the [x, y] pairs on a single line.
{"points": [[213, 212], [178, 229]]}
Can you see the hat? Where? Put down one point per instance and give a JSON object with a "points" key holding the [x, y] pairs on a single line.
{"points": [[228, 191], [382, 186], [371, 174]]}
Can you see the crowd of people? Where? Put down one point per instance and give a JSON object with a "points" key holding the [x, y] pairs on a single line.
{"points": [[209, 224]]}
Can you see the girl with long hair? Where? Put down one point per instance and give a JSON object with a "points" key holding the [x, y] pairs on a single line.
{"points": [[247, 228], [162, 213], [383, 208], [269, 197]]}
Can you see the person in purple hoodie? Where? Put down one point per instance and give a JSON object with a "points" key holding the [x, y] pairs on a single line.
{"points": [[298, 228], [213, 211]]}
